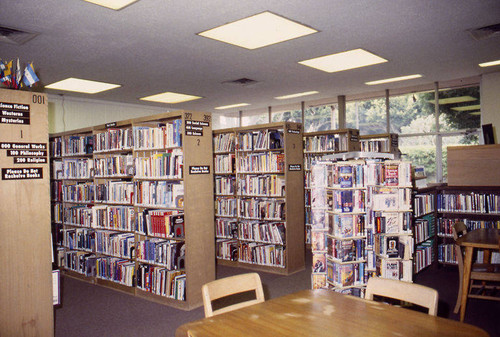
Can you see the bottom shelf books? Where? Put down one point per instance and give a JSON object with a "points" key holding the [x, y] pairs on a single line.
{"points": [[345, 275], [424, 255], [227, 249], [163, 282], [116, 270], [262, 254]]}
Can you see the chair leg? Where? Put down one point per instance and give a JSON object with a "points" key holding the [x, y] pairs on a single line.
{"points": [[460, 278]]}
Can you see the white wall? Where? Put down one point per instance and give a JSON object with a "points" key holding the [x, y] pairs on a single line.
{"points": [[69, 113], [490, 102]]}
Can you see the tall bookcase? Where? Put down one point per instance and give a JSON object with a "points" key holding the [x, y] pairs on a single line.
{"points": [[259, 197], [319, 144], [143, 225], [361, 210], [424, 228], [25, 254]]}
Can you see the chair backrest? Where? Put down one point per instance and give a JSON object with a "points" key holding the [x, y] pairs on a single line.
{"points": [[230, 286], [459, 229], [404, 291]]}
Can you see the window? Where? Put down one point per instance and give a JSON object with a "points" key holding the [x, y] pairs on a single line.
{"points": [[289, 113], [459, 109], [412, 113], [368, 116], [321, 118], [223, 121], [420, 151], [254, 117]]}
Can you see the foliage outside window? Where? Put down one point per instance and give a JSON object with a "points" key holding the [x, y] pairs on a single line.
{"points": [[321, 118], [420, 151], [368, 116], [412, 113], [287, 116], [459, 109]]}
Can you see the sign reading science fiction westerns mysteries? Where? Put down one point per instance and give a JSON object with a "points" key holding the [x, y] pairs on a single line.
{"points": [[14, 113]]}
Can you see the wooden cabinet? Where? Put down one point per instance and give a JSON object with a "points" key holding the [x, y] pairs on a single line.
{"points": [[259, 197]]}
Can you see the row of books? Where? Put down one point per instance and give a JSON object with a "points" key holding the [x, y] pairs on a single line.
{"points": [[168, 164], [262, 185], [78, 261], [82, 193], [375, 145], [118, 192], [224, 142], [161, 281], [260, 140], [423, 204], [161, 223], [264, 209], [346, 225], [264, 232], [226, 228], [389, 198], [166, 253], [114, 166], [77, 215], [82, 168], [424, 229], [115, 244], [113, 217], [73, 145], [424, 255], [261, 162], [445, 225], [390, 222], [80, 238], [225, 163], [56, 190], [159, 194], [394, 246], [447, 253], [469, 202], [113, 139], [326, 143], [57, 213], [345, 275], [262, 254], [342, 201], [227, 249], [395, 269], [224, 185], [164, 135], [226, 207], [345, 250], [116, 270]]}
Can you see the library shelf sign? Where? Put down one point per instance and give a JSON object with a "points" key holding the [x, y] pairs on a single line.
{"points": [[14, 113], [26, 153], [195, 128], [22, 173]]}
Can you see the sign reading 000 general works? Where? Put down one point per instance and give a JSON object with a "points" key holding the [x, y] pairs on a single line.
{"points": [[14, 113]]}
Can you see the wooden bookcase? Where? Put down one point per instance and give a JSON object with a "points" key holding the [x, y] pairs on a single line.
{"points": [[25, 252], [424, 228], [267, 155], [316, 145], [134, 187], [463, 168]]}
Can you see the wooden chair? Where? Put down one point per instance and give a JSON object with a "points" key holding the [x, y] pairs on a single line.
{"points": [[231, 286], [480, 271], [404, 291]]}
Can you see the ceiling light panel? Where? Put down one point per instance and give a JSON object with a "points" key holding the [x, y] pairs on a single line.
{"points": [[170, 97], [467, 108], [83, 86], [394, 79], [350, 59], [300, 94], [112, 4], [490, 64], [231, 106], [258, 31], [453, 100]]}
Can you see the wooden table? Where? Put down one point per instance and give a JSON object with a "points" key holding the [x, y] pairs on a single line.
{"points": [[480, 238], [325, 313]]}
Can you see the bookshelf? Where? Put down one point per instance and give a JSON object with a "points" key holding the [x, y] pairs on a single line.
{"points": [[316, 145], [25, 282], [143, 209], [424, 208], [476, 206], [361, 221], [259, 197]]}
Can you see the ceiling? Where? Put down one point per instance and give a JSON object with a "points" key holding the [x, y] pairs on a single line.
{"points": [[151, 46]]}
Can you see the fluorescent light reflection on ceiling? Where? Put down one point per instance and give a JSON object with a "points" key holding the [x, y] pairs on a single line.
{"points": [[170, 97], [453, 100], [83, 86], [258, 31], [350, 59], [490, 64], [300, 94], [467, 108], [112, 4], [394, 79], [231, 106]]}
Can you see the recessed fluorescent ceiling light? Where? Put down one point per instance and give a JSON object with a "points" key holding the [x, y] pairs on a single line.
{"points": [[113, 4], [84, 86], [231, 106], [490, 64], [394, 79], [170, 97], [300, 94], [350, 59], [453, 100], [467, 108], [258, 31]]}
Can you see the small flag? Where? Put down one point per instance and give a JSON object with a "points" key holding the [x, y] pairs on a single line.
{"points": [[30, 77], [18, 74], [8, 69], [7, 74]]}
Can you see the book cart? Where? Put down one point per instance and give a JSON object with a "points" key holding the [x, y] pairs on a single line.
{"points": [[361, 210], [259, 197], [142, 229], [316, 145]]}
